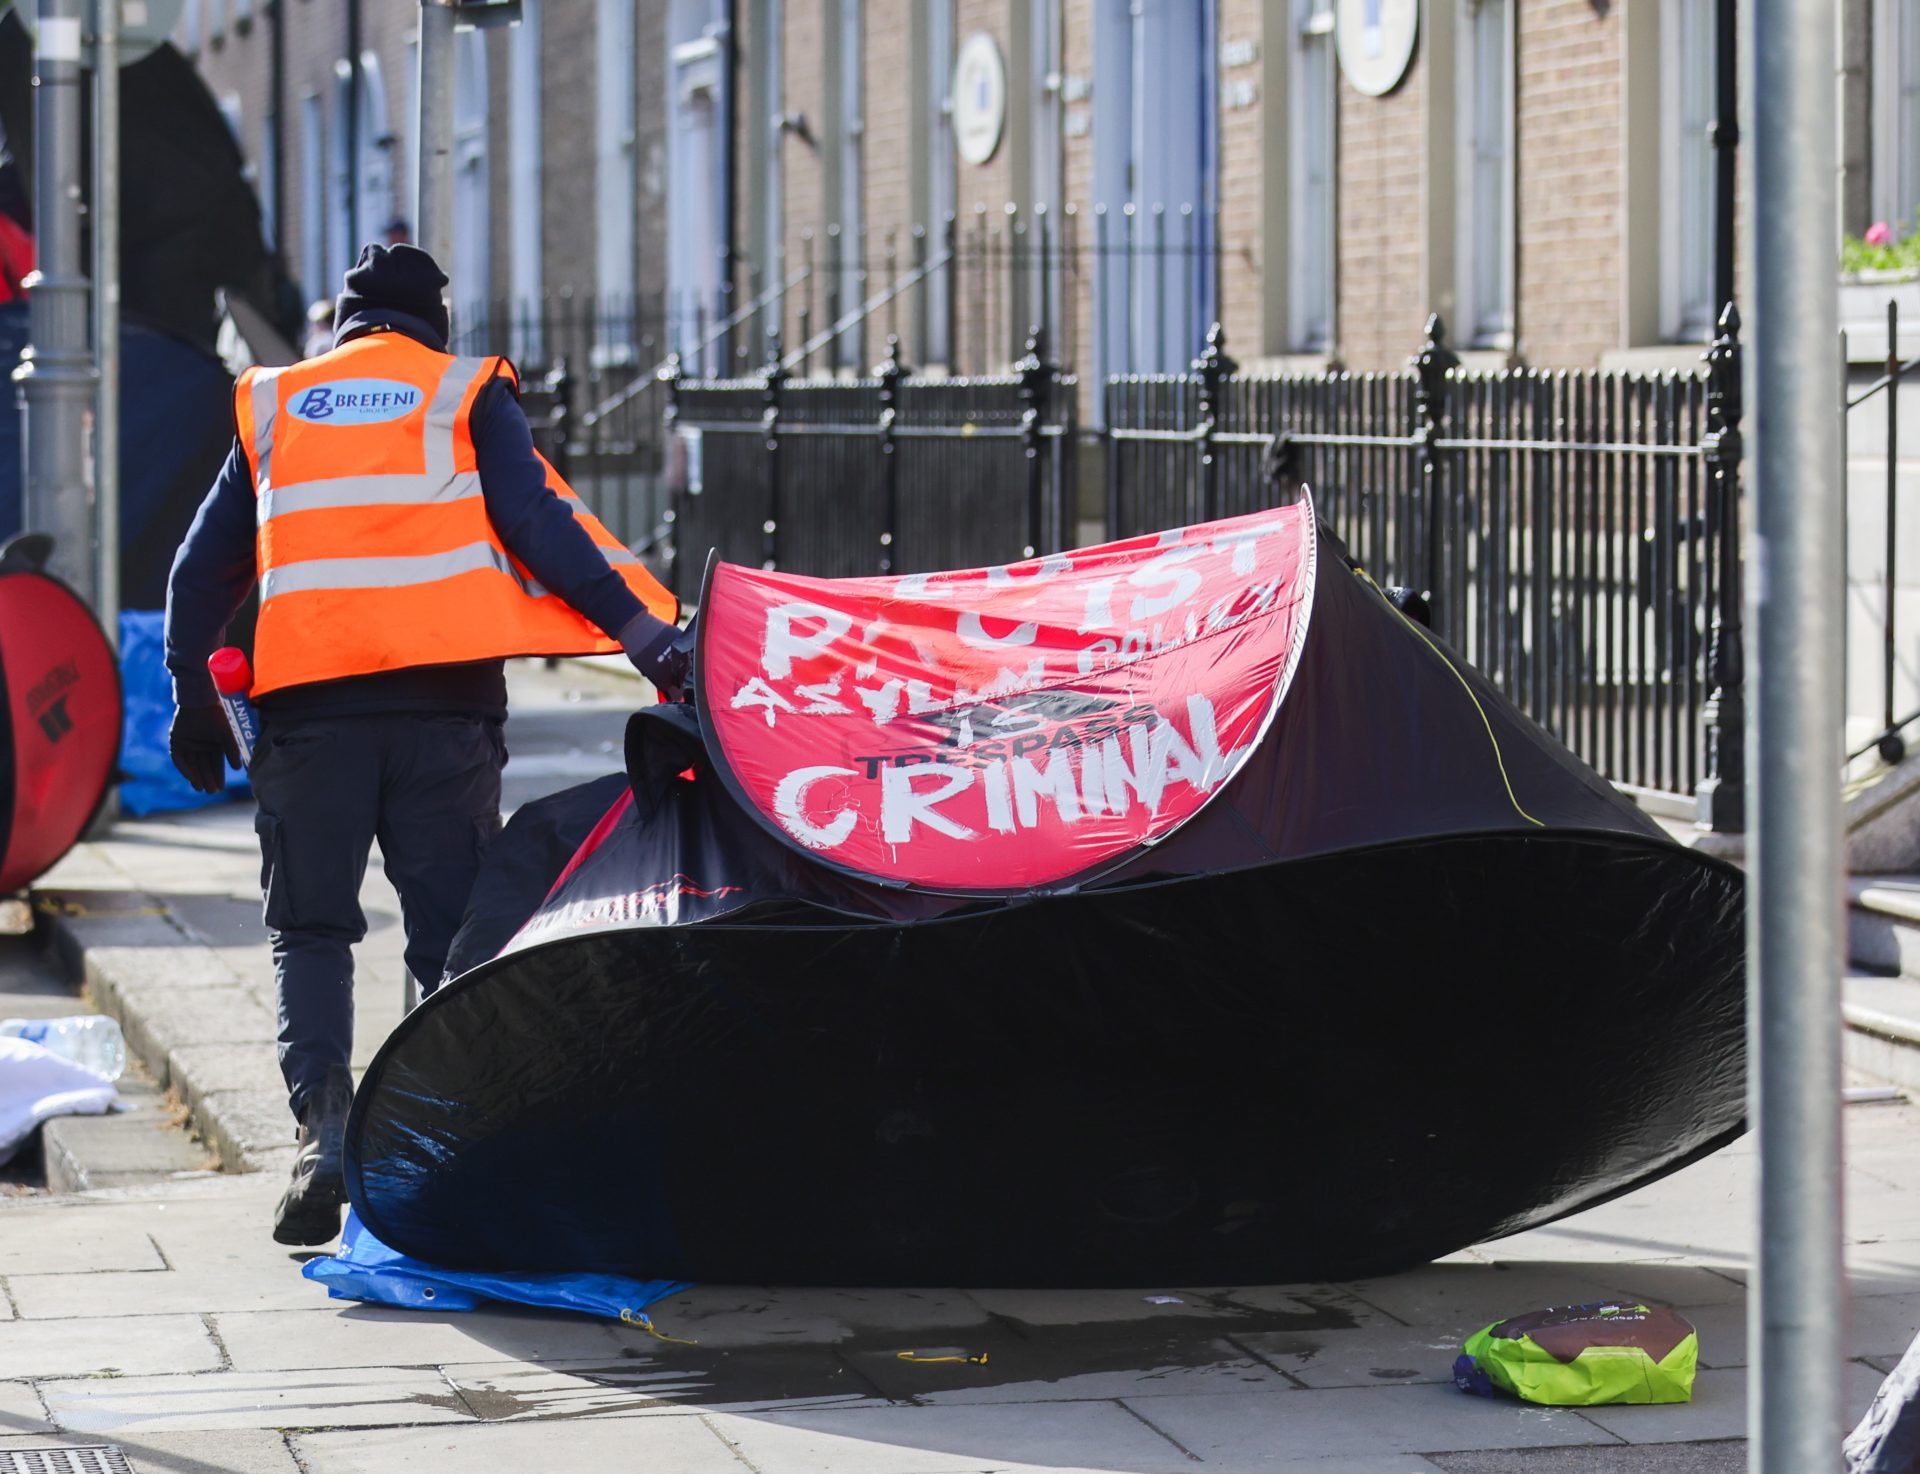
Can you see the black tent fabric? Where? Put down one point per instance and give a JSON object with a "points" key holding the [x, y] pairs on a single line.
{"points": [[1407, 976]]}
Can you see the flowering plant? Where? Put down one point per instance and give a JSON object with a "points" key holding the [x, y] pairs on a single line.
{"points": [[1880, 250]]}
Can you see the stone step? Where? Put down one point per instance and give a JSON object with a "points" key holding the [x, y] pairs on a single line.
{"points": [[1883, 924], [144, 1140], [1882, 1036]]}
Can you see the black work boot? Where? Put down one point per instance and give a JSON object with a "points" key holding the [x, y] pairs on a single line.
{"points": [[309, 1211]]}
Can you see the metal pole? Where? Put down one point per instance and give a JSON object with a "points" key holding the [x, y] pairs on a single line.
{"points": [[55, 376], [1888, 643], [350, 211], [1725, 136], [1794, 745], [277, 95], [433, 208], [106, 305]]}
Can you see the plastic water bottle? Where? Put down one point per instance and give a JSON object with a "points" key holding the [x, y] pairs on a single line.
{"points": [[89, 1040], [233, 679]]}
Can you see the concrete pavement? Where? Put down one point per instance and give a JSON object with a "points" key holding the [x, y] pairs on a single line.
{"points": [[164, 1320]]}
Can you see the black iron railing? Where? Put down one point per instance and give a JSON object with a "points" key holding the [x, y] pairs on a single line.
{"points": [[1574, 531], [887, 473], [1891, 740]]}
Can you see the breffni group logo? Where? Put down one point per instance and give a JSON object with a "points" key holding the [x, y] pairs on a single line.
{"points": [[356, 402]]}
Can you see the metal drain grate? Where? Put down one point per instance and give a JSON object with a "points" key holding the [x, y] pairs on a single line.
{"points": [[93, 1458]]}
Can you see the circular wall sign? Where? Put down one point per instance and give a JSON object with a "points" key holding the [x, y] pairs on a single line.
{"points": [[1374, 39], [979, 98]]}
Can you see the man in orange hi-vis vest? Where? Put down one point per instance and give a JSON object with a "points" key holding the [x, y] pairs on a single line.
{"points": [[406, 539]]}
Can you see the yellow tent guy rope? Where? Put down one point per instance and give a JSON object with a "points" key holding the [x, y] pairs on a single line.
{"points": [[645, 1322], [914, 1356], [1499, 760]]}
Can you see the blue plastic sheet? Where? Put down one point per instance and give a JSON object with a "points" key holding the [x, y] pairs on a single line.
{"points": [[152, 784], [366, 1269]]}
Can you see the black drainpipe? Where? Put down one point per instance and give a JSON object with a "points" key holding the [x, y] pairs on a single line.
{"points": [[1726, 143], [277, 90], [351, 133]]}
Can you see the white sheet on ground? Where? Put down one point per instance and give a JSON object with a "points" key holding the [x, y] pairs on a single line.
{"points": [[36, 1085]]}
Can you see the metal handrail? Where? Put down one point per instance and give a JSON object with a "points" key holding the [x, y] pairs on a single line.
{"points": [[640, 384], [866, 309], [1883, 381]]}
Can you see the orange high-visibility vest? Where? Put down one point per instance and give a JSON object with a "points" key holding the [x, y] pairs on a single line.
{"points": [[374, 546]]}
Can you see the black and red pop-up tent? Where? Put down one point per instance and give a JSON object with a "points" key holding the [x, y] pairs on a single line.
{"points": [[1174, 911], [60, 719]]}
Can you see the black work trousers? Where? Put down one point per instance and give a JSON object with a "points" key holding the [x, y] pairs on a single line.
{"points": [[427, 786]]}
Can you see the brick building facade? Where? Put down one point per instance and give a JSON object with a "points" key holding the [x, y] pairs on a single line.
{"points": [[1221, 137], [1539, 171], [559, 138]]}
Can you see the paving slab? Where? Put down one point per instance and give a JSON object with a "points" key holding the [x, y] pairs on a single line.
{"points": [[1300, 1307], [1372, 1356], [1153, 1302], [79, 1348], [160, 961], [203, 1069], [231, 1235], [1648, 1458], [363, 1396], [1684, 1287], [1889, 1266], [60, 1296], [21, 1410], [1459, 1292], [680, 1380], [228, 1452], [748, 1315], [45, 1243], [141, 1141], [1719, 1408], [1363, 1464], [866, 1311], [1593, 1239], [657, 1445], [953, 1440], [212, 1015], [1874, 1325], [334, 1334], [1216, 1367], [249, 1130], [1261, 1433]]}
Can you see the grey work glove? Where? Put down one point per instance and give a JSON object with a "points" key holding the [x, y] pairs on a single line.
{"points": [[657, 652], [201, 744]]}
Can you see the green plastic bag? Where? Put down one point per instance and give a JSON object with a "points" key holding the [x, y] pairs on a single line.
{"points": [[1584, 1356]]}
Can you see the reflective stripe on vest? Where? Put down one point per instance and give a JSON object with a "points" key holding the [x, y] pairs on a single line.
{"points": [[313, 574]]}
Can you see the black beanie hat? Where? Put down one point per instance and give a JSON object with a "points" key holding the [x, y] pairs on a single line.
{"points": [[402, 278]]}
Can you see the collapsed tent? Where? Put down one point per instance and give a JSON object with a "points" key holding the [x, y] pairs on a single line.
{"points": [[1173, 911], [59, 719]]}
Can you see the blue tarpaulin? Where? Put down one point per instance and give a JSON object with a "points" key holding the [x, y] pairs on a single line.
{"points": [[152, 785], [366, 1269]]}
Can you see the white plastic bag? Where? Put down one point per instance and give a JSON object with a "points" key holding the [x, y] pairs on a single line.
{"points": [[36, 1085]]}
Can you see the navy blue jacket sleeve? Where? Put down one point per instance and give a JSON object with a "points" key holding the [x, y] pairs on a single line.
{"points": [[537, 527], [212, 575]]}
